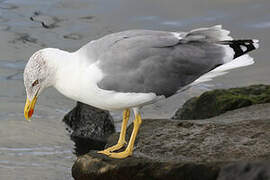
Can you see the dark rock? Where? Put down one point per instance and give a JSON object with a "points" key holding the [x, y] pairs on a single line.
{"points": [[27, 39], [246, 171], [24, 38], [4, 5], [213, 103], [4, 28], [73, 36], [167, 149], [97, 167], [46, 21], [91, 127], [87, 17]]}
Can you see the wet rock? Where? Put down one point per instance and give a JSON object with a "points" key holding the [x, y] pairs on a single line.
{"points": [[47, 22], [87, 17], [213, 103], [96, 167], [27, 40], [246, 171], [168, 149], [24, 38], [90, 127], [4, 5], [73, 36], [4, 28]]}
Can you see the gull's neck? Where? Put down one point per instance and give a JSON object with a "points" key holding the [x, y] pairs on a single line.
{"points": [[60, 59], [57, 58], [71, 73]]}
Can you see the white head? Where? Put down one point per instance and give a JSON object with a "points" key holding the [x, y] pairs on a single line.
{"points": [[38, 75]]}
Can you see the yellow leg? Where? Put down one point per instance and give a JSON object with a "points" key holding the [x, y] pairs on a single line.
{"points": [[122, 138], [128, 152]]}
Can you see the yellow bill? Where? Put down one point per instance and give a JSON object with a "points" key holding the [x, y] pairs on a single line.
{"points": [[29, 108]]}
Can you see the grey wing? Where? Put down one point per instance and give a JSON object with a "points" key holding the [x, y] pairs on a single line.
{"points": [[154, 61], [94, 49]]}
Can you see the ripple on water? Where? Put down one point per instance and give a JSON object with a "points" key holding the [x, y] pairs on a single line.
{"points": [[261, 25], [34, 156], [8, 6], [17, 65], [35, 151]]}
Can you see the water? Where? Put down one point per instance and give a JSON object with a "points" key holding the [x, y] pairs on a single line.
{"points": [[42, 149]]}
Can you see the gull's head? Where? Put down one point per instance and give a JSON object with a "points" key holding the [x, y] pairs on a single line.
{"points": [[38, 75]]}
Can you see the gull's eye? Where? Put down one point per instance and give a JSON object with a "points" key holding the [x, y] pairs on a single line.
{"points": [[35, 83]]}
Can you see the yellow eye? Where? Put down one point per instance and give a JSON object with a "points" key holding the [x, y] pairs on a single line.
{"points": [[35, 83]]}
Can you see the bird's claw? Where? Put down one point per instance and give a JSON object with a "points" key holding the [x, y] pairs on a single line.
{"points": [[121, 155], [116, 147], [105, 152]]}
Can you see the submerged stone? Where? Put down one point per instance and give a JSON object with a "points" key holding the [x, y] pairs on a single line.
{"points": [[90, 127]]}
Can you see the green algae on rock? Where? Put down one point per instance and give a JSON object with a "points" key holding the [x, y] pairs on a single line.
{"points": [[215, 102]]}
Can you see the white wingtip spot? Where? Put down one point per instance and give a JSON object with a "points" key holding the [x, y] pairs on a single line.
{"points": [[256, 43], [177, 35], [255, 40], [244, 48], [229, 53]]}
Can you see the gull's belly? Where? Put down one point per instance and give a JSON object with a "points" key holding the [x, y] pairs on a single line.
{"points": [[83, 87], [110, 100]]}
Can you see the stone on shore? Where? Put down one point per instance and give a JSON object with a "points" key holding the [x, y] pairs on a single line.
{"points": [[46, 21], [90, 127], [246, 171], [216, 102], [200, 149]]}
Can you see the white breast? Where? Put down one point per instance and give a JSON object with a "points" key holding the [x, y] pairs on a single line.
{"points": [[79, 81]]}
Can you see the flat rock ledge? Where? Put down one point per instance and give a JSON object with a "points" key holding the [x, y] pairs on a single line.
{"points": [[202, 149]]}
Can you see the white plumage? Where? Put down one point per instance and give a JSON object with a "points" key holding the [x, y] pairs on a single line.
{"points": [[130, 69], [77, 79]]}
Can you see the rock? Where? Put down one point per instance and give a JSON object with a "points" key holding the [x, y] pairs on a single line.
{"points": [[168, 149], [213, 103], [8, 6], [246, 171], [72, 36], [24, 38], [92, 167], [47, 22], [4, 28], [87, 17], [91, 127]]}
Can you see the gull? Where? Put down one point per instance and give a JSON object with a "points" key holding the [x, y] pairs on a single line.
{"points": [[130, 69]]}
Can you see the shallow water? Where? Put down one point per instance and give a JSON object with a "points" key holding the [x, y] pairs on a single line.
{"points": [[42, 149]]}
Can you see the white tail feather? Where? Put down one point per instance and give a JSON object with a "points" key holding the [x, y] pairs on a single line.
{"points": [[241, 61]]}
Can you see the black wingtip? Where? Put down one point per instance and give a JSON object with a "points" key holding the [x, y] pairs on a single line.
{"points": [[241, 47]]}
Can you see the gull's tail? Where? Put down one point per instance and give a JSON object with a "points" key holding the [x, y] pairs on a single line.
{"points": [[215, 34], [241, 47], [235, 51]]}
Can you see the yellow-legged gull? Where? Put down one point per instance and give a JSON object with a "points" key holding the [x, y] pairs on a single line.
{"points": [[130, 69]]}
